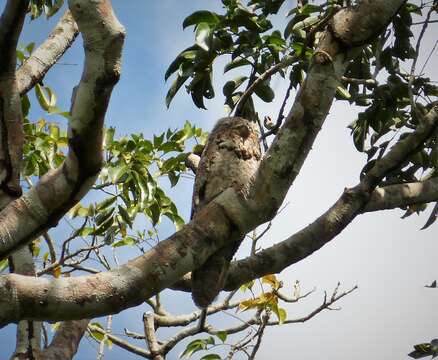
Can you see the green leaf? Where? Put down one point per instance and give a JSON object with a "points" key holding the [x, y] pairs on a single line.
{"points": [[105, 225], [4, 264], [25, 105], [188, 54], [176, 85], [106, 203], [104, 216], [155, 213], [432, 218], [54, 8], [117, 172], [235, 64], [222, 335], [127, 241], [45, 96], [232, 85], [247, 286], [264, 92], [203, 36], [125, 216], [194, 346], [29, 47], [343, 93], [211, 357], [173, 178], [202, 16]]}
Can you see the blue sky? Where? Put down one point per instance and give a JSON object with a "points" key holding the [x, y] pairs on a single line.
{"points": [[390, 259]]}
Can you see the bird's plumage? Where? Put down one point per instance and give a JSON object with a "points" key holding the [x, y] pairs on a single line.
{"points": [[230, 159]]}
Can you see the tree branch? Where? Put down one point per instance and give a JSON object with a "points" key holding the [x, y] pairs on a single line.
{"points": [[47, 54], [145, 276], [43, 205], [11, 129], [28, 344], [149, 330], [394, 196], [66, 341], [283, 162]]}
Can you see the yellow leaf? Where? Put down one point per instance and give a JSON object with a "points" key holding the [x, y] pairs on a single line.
{"points": [[41, 123], [57, 271], [248, 304], [272, 281], [247, 286], [56, 326]]}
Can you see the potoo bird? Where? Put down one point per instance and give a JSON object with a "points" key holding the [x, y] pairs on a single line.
{"points": [[230, 158]]}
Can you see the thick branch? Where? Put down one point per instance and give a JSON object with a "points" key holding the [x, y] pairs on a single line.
{"points": [[58, 191], [294, 141], [47, 54], [28, 344], [139, 279], [66, 341], [11, 131], [353, 202], [333, 221], [394, 196], [192, 162], [112, 291]]}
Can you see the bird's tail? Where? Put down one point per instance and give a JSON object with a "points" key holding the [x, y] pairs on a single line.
{"points": [[209, 279]]}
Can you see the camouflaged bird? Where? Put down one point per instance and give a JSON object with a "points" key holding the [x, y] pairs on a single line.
{"points": [[230, 159]]}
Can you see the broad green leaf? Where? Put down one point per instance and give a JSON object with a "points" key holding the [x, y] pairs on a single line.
{"points": [[125, 216], [117, 172], [45, 96], [232, 85], [247, 286], [203, 36], [194, 346], [222, 335], [236, 63], [432, 218], [4, 264], [202, 16], [343, 93], [106, 203], [176, 85], [155, 213], [25, 105], [264, 92], [128, 241], [211, 357]]}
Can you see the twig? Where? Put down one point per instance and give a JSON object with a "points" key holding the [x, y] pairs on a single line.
{"points": [[121, 343], [151, 339], [280, 113], [286, 61], [105, 338], [414, 62], [259, 334]]}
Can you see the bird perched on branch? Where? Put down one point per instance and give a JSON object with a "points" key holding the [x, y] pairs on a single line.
{"points": [[230, 159]]}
